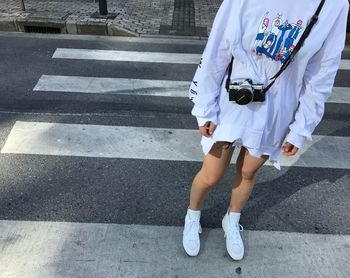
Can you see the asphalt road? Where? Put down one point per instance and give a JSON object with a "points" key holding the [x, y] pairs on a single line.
{"points": [[143, 191]]}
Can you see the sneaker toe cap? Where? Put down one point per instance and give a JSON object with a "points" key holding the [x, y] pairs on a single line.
{"points": [[191, 247], [236, 251]]}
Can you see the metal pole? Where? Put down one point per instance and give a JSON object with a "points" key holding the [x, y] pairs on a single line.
{"points": [[103, 7], [22, 5]]}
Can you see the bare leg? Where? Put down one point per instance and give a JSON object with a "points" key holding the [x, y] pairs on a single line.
{"points": [[213, 169], [244, 180]]}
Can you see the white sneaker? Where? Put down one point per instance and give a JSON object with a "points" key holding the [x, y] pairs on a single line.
{"points": [[232, 228], [190, 240]]}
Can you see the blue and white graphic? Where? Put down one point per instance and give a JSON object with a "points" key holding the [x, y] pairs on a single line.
{"points": [[278, 42]]}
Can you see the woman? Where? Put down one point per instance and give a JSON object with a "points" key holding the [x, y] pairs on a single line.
{"points": [[260, 35]]}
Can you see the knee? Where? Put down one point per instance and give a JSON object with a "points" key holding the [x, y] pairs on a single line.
{"points": [[247, 174], [209, 180]]}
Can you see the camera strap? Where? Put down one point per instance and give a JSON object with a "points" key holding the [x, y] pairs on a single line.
{"points": [[290, 58]]}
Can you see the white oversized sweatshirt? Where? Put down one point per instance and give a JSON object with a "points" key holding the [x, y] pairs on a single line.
{"points": [[260, 35]]}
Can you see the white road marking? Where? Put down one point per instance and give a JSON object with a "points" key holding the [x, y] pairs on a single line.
{"points": [[126, 56], [96, 85], [139, 56], [59, 139], [340, 95], [51, 249], [166, 88], [345, 65]]}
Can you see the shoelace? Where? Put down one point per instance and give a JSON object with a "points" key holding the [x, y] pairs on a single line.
{"points": [[193, 227], [234, 232]]}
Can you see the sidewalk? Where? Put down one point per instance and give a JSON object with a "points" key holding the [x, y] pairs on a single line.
{"points": [[133, 17], [186, 18]]}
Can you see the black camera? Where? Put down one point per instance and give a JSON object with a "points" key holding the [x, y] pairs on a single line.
{"points": [[246, 92]]}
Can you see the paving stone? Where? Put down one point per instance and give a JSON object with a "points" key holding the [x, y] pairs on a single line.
{"points": [[181, 17]]}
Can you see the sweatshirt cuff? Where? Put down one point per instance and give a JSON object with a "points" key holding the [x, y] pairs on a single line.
{"points": [[202, 120], [203, 115], [295, 139]]}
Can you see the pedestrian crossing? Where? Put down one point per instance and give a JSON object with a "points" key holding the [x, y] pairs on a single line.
{"points": [[344, 65], [139, 56], [147, 87], [101, 85], [137, 248], [106, 250], [140, 142], [126, 56]]}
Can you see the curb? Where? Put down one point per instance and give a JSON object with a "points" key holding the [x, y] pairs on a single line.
{"points": [[63, 23], [66, 23], [199, 38]]}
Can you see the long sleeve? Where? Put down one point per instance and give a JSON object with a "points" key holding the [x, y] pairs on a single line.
{"points": [[209, 75], [318, 82]]}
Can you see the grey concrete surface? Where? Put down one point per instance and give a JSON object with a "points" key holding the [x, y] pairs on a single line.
{"points": [[53, 249]]}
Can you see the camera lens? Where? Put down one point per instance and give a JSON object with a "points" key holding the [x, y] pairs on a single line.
{"points": [[244, 96]]}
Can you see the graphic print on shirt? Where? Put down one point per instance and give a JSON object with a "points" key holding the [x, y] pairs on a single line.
{"points": [[278, 42], [262, 29]]}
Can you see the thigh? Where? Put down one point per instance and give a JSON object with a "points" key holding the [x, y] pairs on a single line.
{"points": [[248, 163], [217, 160]]}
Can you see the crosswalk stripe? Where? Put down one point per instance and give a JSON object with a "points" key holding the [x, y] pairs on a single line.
{"points": [[345, 65], [58, 139], [138, 56], [340, 95], [166, 88], [127, 56], [72, 84], [110, 250]]}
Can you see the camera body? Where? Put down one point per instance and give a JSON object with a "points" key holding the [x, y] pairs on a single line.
{"points": [[246, 92]]}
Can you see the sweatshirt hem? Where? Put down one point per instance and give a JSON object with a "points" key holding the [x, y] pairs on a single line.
{"points": [[248, 138]]}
